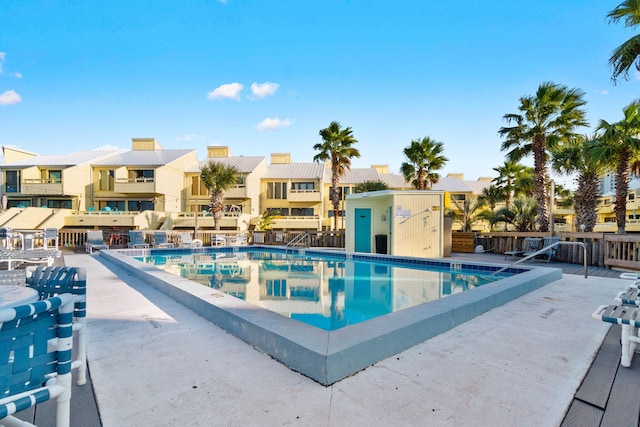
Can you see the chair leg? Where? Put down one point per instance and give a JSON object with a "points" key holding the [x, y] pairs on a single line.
{"points": [[629, 342]]}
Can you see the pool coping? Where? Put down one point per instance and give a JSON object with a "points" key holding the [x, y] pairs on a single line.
{"points": [[329, 356]]}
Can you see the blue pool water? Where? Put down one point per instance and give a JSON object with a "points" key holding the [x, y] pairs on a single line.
{"points": [[326, 291]]}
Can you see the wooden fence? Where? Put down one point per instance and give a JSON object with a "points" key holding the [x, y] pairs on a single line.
{"points": [[603, 249]]}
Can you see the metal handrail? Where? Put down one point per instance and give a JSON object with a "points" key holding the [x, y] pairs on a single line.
{"points": [[545, 249], [297, 239]]}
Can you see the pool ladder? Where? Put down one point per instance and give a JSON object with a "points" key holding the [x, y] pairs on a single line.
{"points": [[298, 239], [544, 250]]}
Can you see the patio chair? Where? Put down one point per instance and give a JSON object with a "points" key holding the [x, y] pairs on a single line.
{"points": [[95, 240], [35, 358], [629, 319], [530, 245], [240, 240], [53, 281], [218, 240], [186, 241], [160, 240], [7, 236], [50, 235], [549, 243], [34, 256], [136, 239]]}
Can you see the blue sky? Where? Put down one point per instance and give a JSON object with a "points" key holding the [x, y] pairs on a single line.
{"points": [[265, 76]]}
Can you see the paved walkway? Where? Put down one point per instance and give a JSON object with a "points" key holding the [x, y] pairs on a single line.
{"points": [[154, 362]]}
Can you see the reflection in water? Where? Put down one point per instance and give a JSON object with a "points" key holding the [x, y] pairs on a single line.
{"points": [[323, 292]]}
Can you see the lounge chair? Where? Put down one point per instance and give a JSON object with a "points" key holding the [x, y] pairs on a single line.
{"points": [[549, 243], [53, 281], [531, 245], [33, 256], [240, 240], [7, 236], [35, 358], [160, 240], [629, 319], [218, 240], [186, 241], [95, 240], [136, 239], [50, 235]]}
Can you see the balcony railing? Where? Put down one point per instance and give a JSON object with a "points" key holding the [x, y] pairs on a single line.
{"points": [[42, 186], [135, 185], [311, 195]]}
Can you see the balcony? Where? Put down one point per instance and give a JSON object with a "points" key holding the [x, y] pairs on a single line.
{"points": [[304, 196], [42, 186], [298, 223], [237, 192], [135, 185]]}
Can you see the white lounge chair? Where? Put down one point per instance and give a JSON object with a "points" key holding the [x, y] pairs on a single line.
{"points": [[629, 319], [50, 235], [218, 240], [186, 241], [95, 240]]}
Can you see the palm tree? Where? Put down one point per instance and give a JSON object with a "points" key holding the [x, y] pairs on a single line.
{"points": [[507, 177], [547, 119], [491, 196], [218, 178], [424, 157], [466, 213], [619, 149], [628, 53], [337, 147], [575, 158], [521, 214], [365, 187]]}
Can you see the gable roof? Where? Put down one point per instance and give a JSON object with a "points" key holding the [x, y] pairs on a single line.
{"points": [[144, 158], [241, 163], [62, 160], [295, 171]]}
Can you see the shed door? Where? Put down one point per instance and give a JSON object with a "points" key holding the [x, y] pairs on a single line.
{"points": [[363, 230]]}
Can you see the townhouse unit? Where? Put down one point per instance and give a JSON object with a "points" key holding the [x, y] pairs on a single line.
{"points": [[242, 201], [52, 181], [294, 193]]}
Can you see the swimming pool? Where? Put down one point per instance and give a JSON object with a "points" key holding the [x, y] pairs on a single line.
{"points": [[329, 356], [325, 291]]}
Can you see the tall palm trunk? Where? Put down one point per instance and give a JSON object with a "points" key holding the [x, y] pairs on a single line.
{"points": [[217, 199], [335, 196], [540, 170], [622, 185], [586, 200]]}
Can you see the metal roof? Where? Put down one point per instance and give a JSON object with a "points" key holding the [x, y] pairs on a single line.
{"points": [[144, 158], [396, 181], [295, 171], [62, 160], [241, 163], [355, 175], [478, 186], [452, 185]]}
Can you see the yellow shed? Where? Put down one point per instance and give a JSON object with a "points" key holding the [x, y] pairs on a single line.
{"points": [[406, 223]]}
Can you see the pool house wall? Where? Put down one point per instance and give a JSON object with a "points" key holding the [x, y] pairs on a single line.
{"points": [[411, 221]]}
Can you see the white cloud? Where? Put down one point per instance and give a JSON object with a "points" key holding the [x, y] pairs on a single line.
{"points": [[189, 137], [261, 90], [3, 57], [275, 123], [602, 91], [228, 91], [10, 97]]}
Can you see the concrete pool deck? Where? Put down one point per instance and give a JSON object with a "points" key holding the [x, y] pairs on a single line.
{"points": [[154, 362]]}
